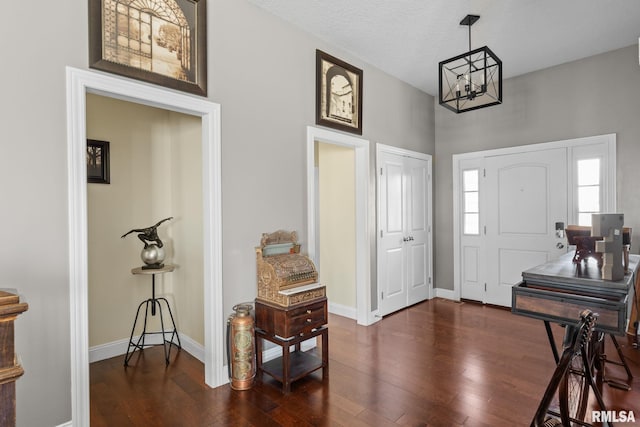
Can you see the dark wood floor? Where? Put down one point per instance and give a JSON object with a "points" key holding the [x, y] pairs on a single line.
{"points": [[438, 363]]}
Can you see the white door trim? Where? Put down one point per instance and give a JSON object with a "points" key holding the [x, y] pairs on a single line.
{"points": [[363, 257], [380, 148], [609, 185], [79, 83], [401, 152]]}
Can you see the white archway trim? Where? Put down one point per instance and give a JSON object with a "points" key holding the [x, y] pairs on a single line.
{"points": [[79, 83], [364, 316]]}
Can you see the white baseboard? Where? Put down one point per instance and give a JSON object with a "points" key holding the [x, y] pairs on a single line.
{"points": [[343, 310], [192, 347], [446, 294], [108, 350], [119, 348]]}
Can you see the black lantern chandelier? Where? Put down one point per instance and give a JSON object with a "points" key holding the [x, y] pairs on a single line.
{"points": [[472, 80]]}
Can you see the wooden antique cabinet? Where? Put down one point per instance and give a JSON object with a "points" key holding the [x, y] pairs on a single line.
{"points": [[287, 327], [10, 369]]}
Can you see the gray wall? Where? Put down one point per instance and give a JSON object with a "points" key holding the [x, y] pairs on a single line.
{"points": [[593, 96], [263, 74], [261, 71]]}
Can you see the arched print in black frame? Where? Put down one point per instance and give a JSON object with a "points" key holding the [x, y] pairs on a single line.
{"points": [[338, 94], [163, 42]]}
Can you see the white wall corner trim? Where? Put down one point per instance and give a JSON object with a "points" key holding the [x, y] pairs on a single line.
{"points": [[79, 83], [119, 348], [447, 294], [343, 310]]}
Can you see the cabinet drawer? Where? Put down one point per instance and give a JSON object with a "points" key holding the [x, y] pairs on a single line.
{"points": [[305, 319], [545, 303], [291, 321]]}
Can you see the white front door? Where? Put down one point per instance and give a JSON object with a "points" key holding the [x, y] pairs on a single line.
{"points": [[508, 203], [526, 195], [404, 241]]}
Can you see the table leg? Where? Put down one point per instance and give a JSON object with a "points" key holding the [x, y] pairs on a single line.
{"points": [[552, 341], [286, 365], [284, 372], [258, 355], [153, 294], [164, 340], [623, 360], [325, 353], [135, 346]]}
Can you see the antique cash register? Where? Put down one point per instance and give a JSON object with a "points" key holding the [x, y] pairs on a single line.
{"points": [[291, 307], [285, 276]]}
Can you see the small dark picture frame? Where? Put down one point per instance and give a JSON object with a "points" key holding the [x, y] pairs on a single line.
{"points": [[338, 94], [98, 162]]}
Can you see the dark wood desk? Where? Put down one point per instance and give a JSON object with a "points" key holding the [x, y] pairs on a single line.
{"points": [[559, 290]]}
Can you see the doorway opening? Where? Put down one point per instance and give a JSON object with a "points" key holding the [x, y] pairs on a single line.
{"points": [[364, 315], [154, 162], [335, 257], [79, 84]]}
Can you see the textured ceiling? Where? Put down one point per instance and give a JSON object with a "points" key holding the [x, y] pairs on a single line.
{"points": [[408, 38]]}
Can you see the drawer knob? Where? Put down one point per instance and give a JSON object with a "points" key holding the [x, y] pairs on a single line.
{"points": [[308, 320], [308, 311]]}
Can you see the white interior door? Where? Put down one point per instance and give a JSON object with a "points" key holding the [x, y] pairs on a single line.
{"points": [[404, 242], [392, 280], [417, 246], [526, 194]]}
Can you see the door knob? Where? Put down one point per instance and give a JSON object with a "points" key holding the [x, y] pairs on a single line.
{"points": [[559, 245]]}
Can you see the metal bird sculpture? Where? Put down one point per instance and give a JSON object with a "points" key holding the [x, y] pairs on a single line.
{"points": [[148, 235]]}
